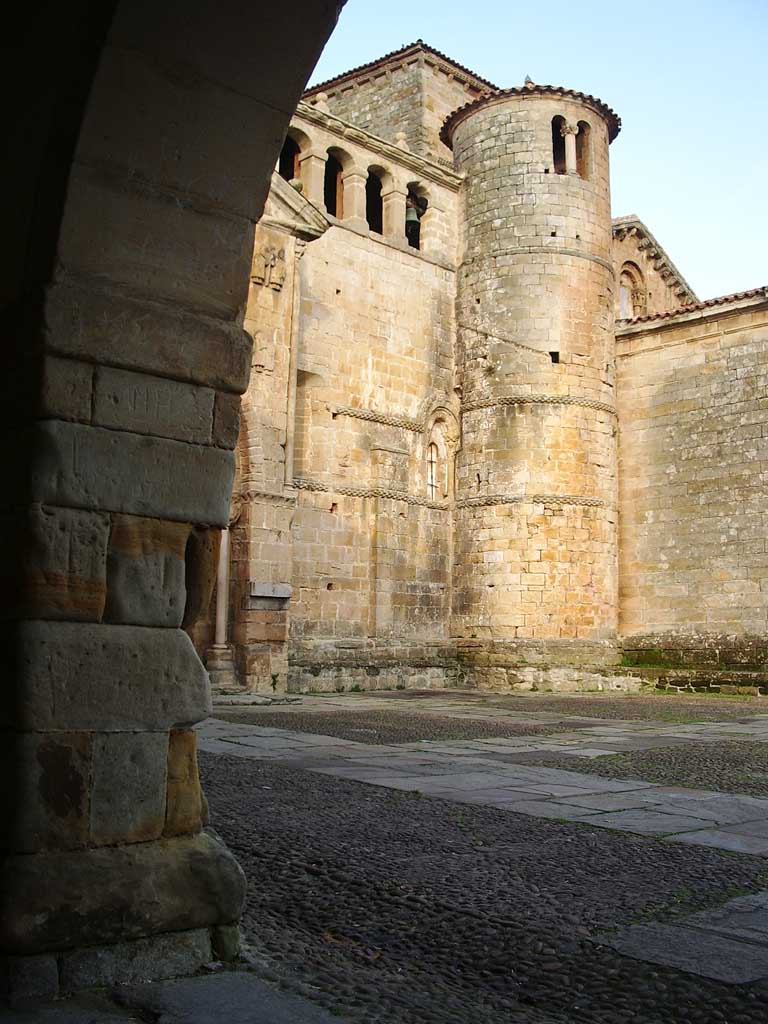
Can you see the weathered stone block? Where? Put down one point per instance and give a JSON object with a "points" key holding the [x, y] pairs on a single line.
{"points": [[144, 404], [66, 389], [110, 470], [44, 790], [225, 942], [226, 422], [62, 565], [26, 979], [202, 563], [59, 901], [100, 326], [81, 676], [146, 571], [129, 783], [189, 256], [184, 806], [128, 963], [187, 139]]}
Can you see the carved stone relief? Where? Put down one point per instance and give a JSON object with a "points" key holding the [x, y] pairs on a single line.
{"points": [[268, 267]]}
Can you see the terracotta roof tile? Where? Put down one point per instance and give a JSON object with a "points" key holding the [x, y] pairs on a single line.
{"points": [[614, 121], [693, 307], [418, 47]]}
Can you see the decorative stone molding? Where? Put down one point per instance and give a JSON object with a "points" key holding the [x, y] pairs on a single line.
{"points": [[251, 495], [587, 403], [530, 499], [406, 422], [303, 484], [525, 250]]}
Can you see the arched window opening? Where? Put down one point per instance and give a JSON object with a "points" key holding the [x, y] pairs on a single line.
{"points": [[374, 207], [288, 164], [558, 144], [632, 295], [433, 459], [583, 156], [333, 187], [415, 208]]}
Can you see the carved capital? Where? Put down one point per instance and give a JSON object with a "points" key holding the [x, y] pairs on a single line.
{"points": [[569, 129]]}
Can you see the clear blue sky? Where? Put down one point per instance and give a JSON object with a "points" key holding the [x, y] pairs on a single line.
{"points": [[688, 80]]}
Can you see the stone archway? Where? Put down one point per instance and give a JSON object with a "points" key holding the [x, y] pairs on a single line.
{"points": [[144, 148]]}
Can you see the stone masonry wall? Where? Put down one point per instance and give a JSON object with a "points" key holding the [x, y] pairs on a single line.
{"points": [[371, 551], [386, 103], [694, 469]]}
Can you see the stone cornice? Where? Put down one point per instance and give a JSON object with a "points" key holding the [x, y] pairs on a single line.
{"points": [[420, 165], [396, 59], [611, 119], [633, 226], [290, 211]]}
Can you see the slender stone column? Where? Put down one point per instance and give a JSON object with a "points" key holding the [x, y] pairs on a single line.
{"points": [[394, 214], [354, 198], [569, 133], [220, 658], [312, 172]]}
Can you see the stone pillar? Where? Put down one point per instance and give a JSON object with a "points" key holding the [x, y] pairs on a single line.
{"points": [[569, 133], [220, 657], [354, 198], [126, 358], [312, 173], [393, 201], [433, 235]]}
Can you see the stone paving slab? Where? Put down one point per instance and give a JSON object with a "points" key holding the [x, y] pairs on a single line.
{"points": [[232, 998], [722, 840], [745, 918], [549, 809], [650, 822], [687, 949]]}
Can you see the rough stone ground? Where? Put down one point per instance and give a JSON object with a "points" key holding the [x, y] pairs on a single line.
{"points": [[653, 706], [728, 767], [387, 906], [391, 726]]}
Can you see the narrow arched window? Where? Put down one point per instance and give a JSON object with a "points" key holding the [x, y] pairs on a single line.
{"points": [[333, 187], [583, 155], [288, 164], [558, 145], [415, 208], [632, 299], [374, 208], [433, 458]]}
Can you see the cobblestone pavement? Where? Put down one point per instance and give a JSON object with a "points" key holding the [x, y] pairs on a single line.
{"points": [[730, 767], [391, 907], [402, 867]]}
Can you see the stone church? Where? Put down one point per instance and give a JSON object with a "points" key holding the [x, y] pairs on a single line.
{"points": [[492, 437]]}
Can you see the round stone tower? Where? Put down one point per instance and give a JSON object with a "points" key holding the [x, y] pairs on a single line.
{"points": [[536, 534]]}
